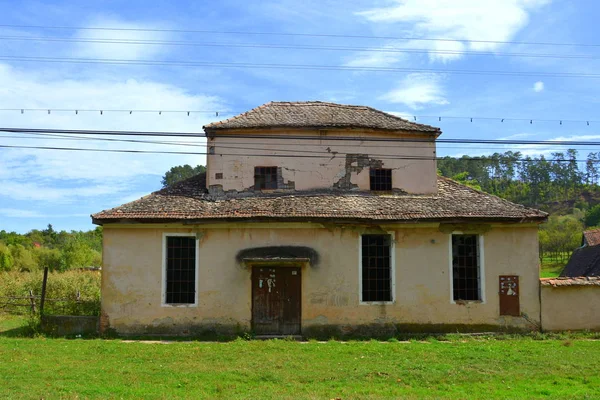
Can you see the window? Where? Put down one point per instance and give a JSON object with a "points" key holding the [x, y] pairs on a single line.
{"points": [[381, 179], [265, 178], [180, 270], [376, 268], [466, 274]]}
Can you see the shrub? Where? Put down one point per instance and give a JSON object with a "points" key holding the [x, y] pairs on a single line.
{"points": [[6, 258], [61, 285], [50, 258]]}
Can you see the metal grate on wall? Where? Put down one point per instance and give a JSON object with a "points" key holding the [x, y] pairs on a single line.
{"points": [[381, 179], [265, 177], [376, 268], [465, 267], [181, 270]]}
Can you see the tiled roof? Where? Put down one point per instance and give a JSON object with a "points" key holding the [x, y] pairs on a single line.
{"points": [[578, 281], [592, 237], [188, 200], [585, 261], [317, 114]]}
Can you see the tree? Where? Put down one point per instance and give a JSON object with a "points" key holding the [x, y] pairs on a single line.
{"points": [[181, 172], [592, 217], [6, 258], [463, 178], [560, 236]]}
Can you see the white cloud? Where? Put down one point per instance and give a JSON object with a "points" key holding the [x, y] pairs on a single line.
{"points": [[62, 176], [96, 49], [538, 87], [417, 90], [20, 213], [517, 136], [376, 59], [457, 19]]}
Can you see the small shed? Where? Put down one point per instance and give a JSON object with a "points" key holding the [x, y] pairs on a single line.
{"points": [[585, 261]]}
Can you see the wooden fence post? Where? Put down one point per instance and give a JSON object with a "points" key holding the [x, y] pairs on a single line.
{"points": [[43, 291], [32, 299]]}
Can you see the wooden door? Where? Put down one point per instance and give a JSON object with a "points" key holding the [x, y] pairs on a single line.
{"points": [[509, 295], [276, 300]]}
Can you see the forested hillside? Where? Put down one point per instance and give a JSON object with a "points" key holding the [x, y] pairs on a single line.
{"points": [[59, 251], [558, 183], [563, 185]]}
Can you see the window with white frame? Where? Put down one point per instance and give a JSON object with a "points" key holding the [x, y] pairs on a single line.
{"points": [[376, 268], [180, 270], [466, 267]]}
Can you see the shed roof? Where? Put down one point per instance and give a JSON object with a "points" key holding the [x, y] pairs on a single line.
{"points": [[317, 114], [585, 261], [189, 200], [592, 237]]}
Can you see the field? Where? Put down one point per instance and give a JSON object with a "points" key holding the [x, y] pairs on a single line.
{"points": [[551, 268], [452, 367]]}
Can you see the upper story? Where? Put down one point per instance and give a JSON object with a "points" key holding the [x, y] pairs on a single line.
{"points": [[304, 146]]}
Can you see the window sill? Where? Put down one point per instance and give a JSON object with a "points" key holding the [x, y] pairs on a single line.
{"points": [[179, 305], [376, 303], [465, 302]]}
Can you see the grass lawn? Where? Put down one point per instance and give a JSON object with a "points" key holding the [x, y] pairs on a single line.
{"points": [[552, 268], [457, 368]]}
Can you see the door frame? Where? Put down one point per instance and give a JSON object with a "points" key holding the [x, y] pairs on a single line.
{"points": [[280, 265]]}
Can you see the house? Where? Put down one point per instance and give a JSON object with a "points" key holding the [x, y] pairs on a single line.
{"points": [[317, 218], [585, 261]]}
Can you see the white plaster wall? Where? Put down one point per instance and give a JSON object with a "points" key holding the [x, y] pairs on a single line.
{"points": [[232, 160], [570, 308], [132, 273]]}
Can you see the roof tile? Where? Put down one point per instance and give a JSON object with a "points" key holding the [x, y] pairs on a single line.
{"points": [[577, 281], [317, 114], [189, 200], [592, 237]]}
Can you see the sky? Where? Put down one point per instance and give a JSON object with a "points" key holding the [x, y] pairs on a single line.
{"points": [[63, 187]]}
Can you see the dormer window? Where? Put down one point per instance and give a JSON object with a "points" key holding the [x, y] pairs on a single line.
{"points": [[381, 179], [265, 178]]}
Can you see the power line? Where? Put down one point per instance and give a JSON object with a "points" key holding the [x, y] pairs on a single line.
{"points": [[243, 145], [302, 137], [384, 157], [205, 64], [439, 118], [297, 34], [391, 49]]}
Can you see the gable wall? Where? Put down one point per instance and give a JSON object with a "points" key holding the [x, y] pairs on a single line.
{"points": [[330, 163], [132, 273]]}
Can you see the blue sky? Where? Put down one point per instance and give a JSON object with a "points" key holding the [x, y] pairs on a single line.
{"points": [[64, 188]]}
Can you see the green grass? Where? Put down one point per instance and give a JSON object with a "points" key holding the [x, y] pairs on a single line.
{"points": [[551, 268], [456, 368]]}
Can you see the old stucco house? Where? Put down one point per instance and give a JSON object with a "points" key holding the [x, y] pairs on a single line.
{"points": [[319, 217]]}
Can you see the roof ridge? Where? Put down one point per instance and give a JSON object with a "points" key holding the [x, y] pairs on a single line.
{"points": [[321, 115], [400, 118], [221, 122]]}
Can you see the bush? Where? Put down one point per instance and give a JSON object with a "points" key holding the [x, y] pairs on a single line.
{"points": [[6, 258], [61, 285], [592, 217], [23, 259], [50, 258]]}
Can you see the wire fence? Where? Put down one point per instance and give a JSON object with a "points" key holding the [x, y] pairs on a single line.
{"points": [[31, 303]]}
